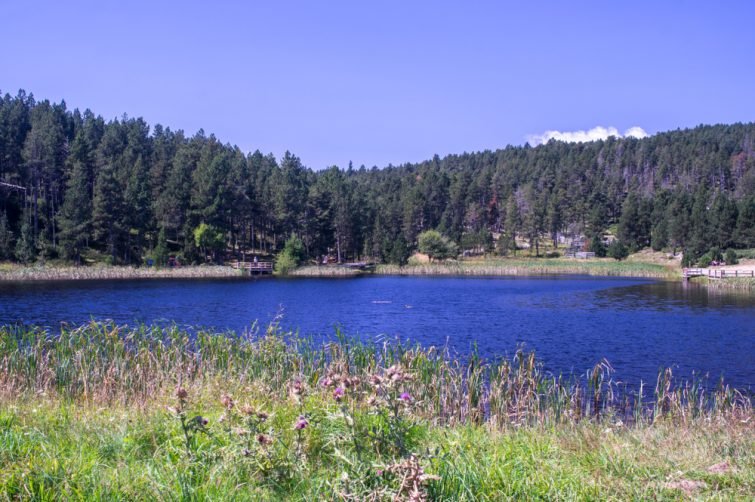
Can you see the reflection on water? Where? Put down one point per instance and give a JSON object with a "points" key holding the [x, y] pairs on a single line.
{"points": [[571, 322], [669, 295]]}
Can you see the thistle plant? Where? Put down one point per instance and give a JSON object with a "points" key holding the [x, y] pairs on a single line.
{"points": [[390, 402], [190, 426], [344, 388]]}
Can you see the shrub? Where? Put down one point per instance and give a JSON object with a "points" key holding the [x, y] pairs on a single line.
{"points": [[617, 250], [715, 254], [291, 257], [731, 257], [436, 246], [597, 247]]}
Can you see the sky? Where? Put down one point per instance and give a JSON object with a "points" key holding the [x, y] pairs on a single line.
{"points": [[388, 82]]}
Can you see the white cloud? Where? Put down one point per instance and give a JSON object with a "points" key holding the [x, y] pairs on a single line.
{"points": [[594, 134]]}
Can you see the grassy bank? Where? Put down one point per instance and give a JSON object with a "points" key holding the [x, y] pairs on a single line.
{"points": [[537, 266], [110, 412], [745, 285], [11, 272], [325, 271]]}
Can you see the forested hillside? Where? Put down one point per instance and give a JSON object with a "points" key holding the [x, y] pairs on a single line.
{"points": [[76, 185]]}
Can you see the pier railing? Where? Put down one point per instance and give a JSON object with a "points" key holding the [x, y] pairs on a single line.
{"points": [[716, 273], [259, 267]]}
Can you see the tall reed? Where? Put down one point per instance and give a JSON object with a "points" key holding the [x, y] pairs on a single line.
{"points": [[104, 362]]}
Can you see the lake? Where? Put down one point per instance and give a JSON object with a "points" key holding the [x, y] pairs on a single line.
{"points": [[571, 322]]}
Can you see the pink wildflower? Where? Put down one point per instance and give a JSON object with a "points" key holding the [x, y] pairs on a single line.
{"points": [[301, 423], [338, 394]]}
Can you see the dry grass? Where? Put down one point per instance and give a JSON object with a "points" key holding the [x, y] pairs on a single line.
{"points": [[325, 271], [49, 273], [538, 266]]}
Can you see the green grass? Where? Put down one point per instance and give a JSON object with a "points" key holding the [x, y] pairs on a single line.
{"points": [[94, 413], [54, 450]]}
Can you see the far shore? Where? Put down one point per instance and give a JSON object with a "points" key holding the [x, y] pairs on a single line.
{"points": [[534, 266], [635, 267], [639, 266], [101, 272], [474, 267]]}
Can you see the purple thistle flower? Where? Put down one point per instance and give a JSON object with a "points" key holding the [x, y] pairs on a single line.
{"points": [[405, 396], [338, 393], [301, 423]]}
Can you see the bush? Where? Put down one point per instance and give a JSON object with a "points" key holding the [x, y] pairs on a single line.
{"points": [[731, 257], [704, 260], [553, 254], [436, 246], [715, 254], [617, 250], [291, 257], [597, 247], [208, 239], [284, 263]]}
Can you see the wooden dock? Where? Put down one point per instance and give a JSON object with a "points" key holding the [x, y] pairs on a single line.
{"points": [[254, 268], [715, 273]]}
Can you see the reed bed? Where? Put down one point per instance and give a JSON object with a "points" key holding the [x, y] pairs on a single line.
{"points": [[49, 273], [103, 411], [325, 271], [741, 284], [104, 362], [501, 267]]}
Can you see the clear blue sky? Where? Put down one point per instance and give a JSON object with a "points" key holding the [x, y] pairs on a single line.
{"points": [[387, 82]]}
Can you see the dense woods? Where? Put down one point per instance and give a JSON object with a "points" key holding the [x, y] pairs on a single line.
{"points": [[76, 186]]}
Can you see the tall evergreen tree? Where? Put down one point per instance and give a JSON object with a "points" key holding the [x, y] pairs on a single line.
{"points": [[75, 216]]}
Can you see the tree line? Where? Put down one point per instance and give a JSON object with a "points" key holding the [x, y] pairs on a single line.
{"points": [[76, 185]]}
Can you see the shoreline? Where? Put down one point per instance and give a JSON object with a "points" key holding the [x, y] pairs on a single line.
{"points": [[522, 267], [516, 268], [71, 273], [505, 267]]}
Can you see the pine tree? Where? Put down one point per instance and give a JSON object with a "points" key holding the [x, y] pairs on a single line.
{"points": [[6, 238], [75, 217], [161, 252], [25, 246], [108, 213]]}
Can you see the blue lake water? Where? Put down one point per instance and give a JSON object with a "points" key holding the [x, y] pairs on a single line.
{"points": [[571, 322]]}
